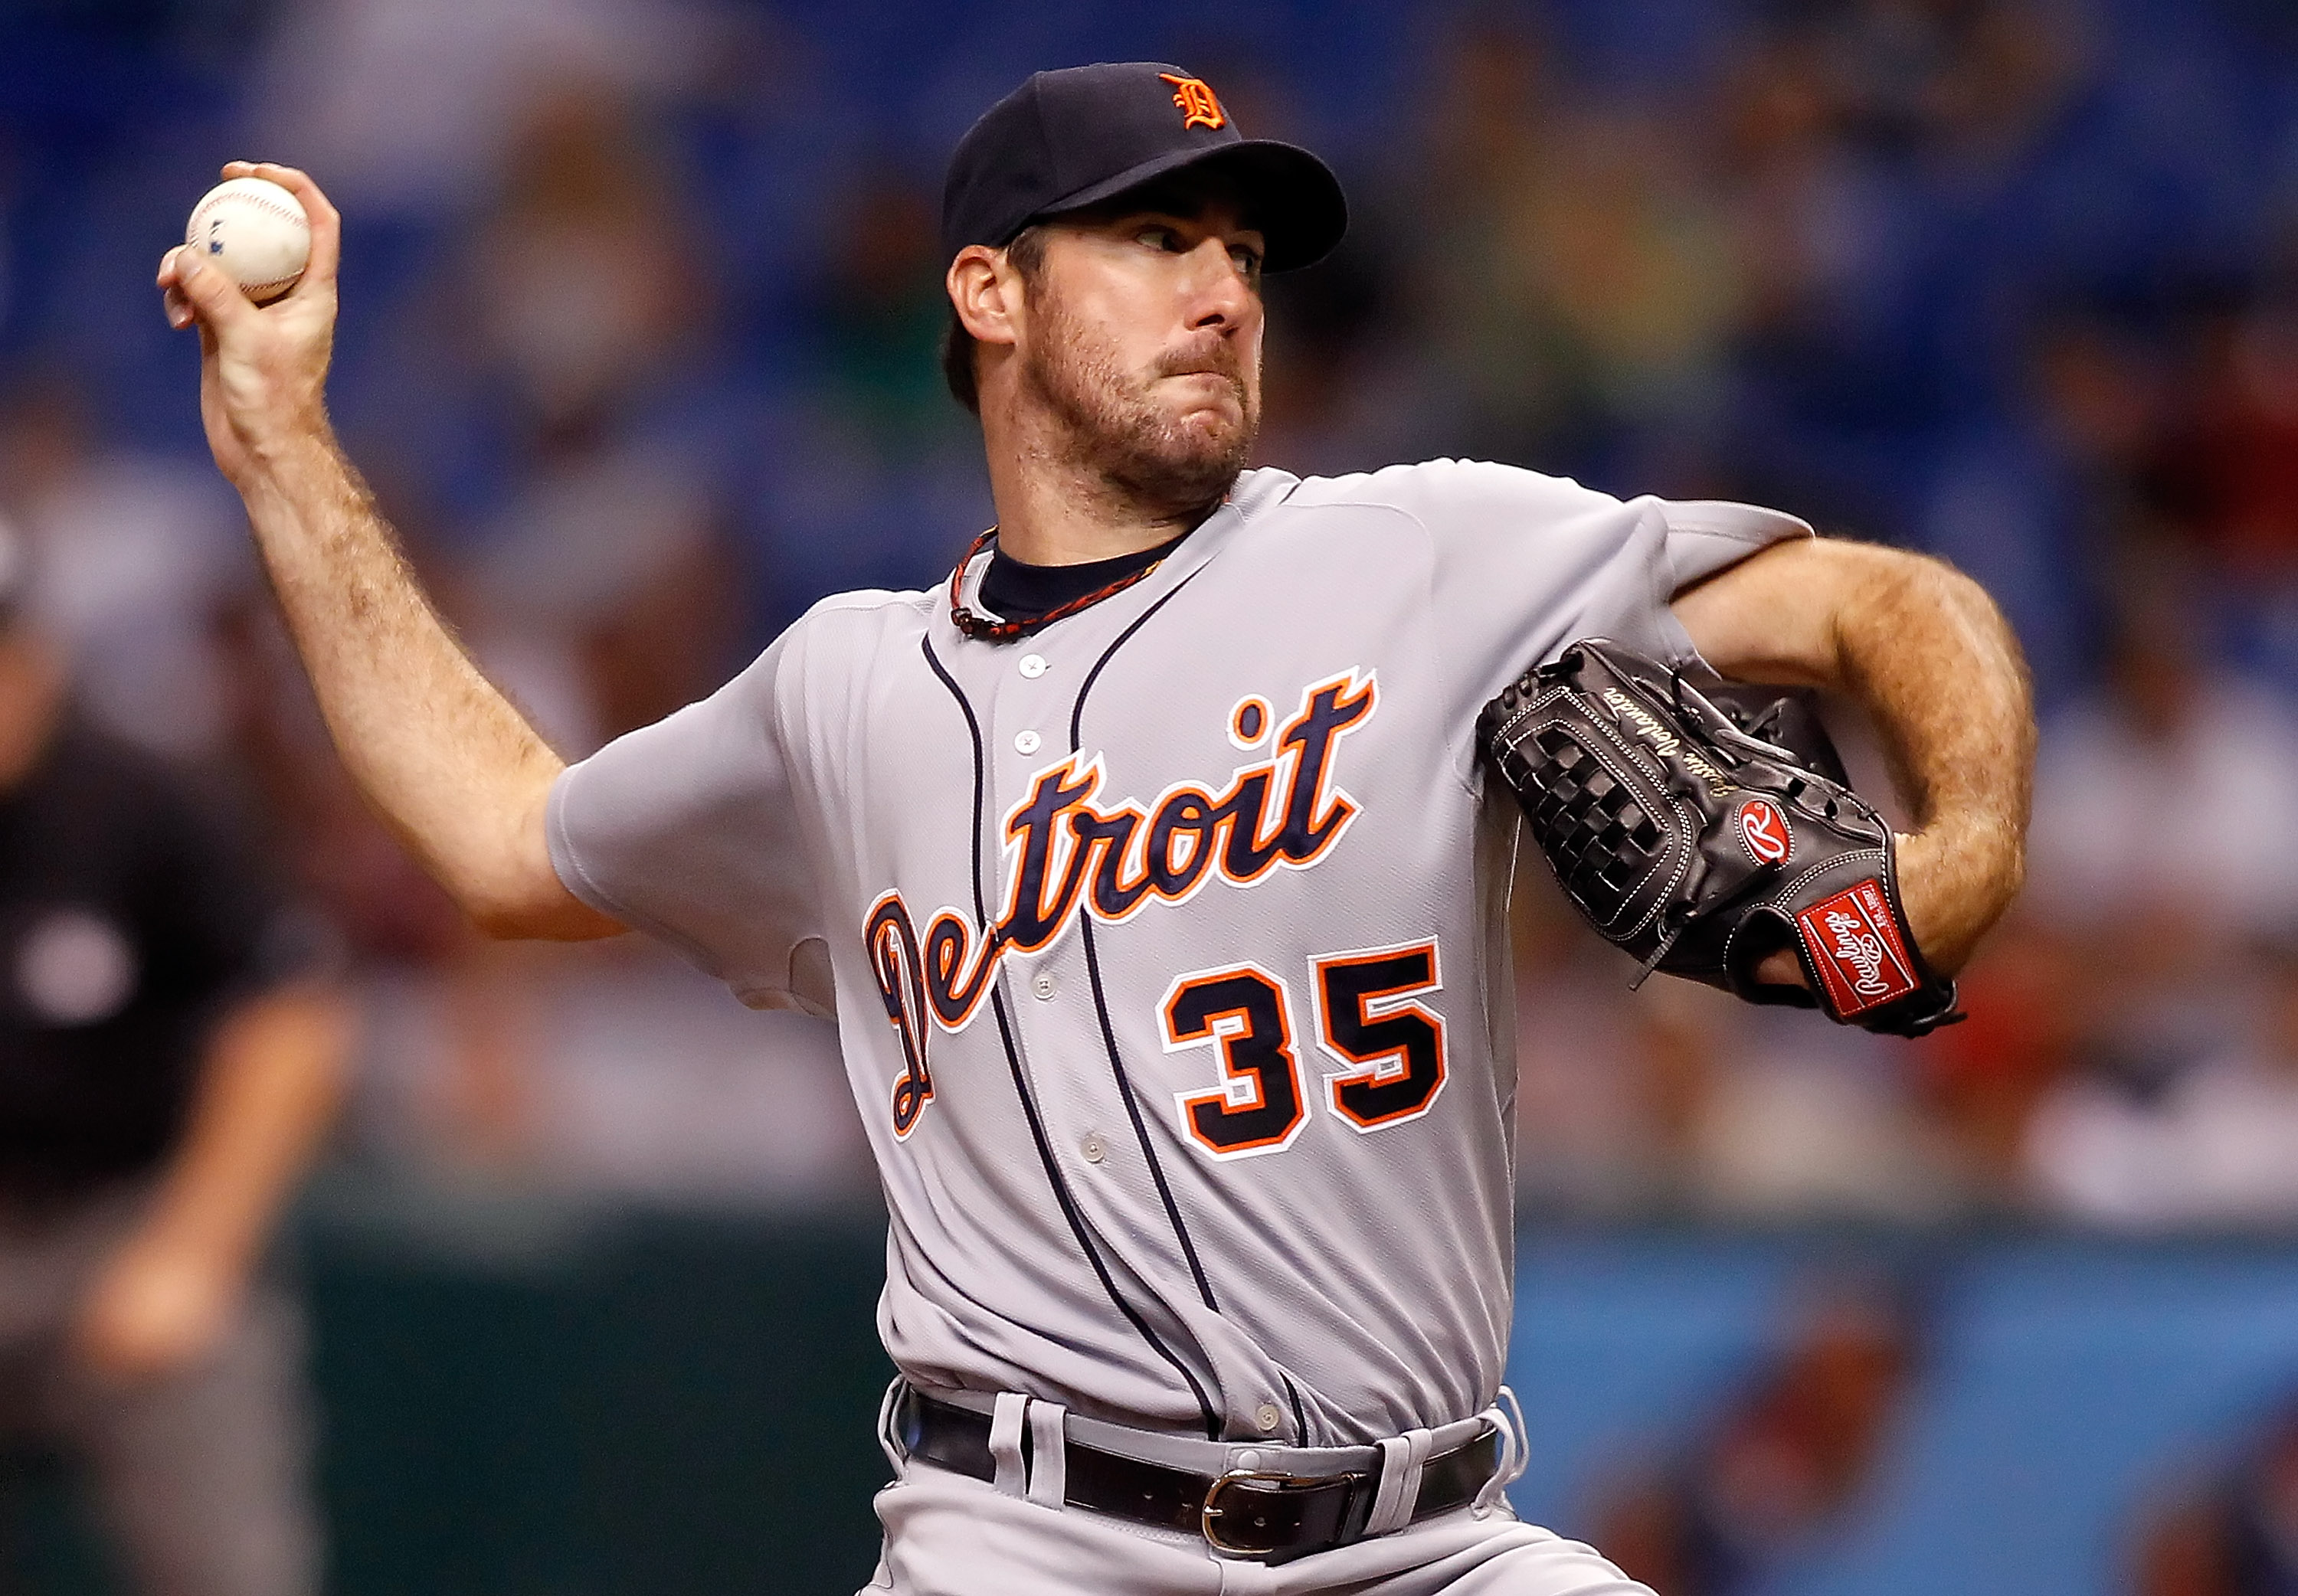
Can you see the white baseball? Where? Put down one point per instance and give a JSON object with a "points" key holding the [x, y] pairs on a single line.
{"points": [[256, 231]]}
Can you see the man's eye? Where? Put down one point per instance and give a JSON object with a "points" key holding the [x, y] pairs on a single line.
{"points": [[1248, 261], [1160, 239]]}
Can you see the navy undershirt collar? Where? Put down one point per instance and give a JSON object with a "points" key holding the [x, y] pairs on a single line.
{"points": [[1021, 592]]}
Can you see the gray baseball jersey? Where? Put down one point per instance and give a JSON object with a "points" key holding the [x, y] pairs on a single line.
{"points": [[1166, 945]]}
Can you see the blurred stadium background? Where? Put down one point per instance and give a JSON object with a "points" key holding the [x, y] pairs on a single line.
{"points": [[639, 313]]}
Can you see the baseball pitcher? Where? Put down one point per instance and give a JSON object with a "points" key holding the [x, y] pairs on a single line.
{"points": [[1149, 865]]}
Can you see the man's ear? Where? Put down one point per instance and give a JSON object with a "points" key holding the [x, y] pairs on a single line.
{"points": [[986, 293]]}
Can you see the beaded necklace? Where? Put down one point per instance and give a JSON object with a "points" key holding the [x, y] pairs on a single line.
{"points": [[982, 628]]}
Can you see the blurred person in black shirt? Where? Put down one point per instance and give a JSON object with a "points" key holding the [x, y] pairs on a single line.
{"points": [[169, 1061]]}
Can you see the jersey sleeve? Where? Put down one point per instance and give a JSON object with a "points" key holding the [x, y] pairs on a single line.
{"points": [[690, 829], [1522, 564]]}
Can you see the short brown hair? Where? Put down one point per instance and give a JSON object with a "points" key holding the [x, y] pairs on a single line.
{"points": [[1027, 254]]}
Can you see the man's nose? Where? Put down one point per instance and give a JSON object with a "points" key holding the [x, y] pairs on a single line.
{"points": [[1221, 293]]}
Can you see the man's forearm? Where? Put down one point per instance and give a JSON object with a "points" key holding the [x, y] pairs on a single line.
{"points": [[448, 761], [1930, 655], [445, 759], [1925, 651]]}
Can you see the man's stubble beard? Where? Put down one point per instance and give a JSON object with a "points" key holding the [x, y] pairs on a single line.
{"points": [[1113, 430]]}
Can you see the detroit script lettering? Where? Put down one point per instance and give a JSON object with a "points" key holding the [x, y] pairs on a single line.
{"points": [[1066, 854]]}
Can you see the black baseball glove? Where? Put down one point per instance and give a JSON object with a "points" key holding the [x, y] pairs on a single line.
{"points": [[1688, 834]]}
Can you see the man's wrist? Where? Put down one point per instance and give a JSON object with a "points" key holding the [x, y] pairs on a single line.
{"points": [[285, 465], [1956, 877]]}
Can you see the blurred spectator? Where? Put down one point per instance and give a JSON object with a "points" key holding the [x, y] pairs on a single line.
{"points": [[407, 106], [2238, 1536], [2209, 1142], [585, 282], [595, 574], [2035, 503], [2168, 791], [1679, 1099], [135, 556], [2028, 998], [2233, 468], [613, 1068], [1571, 273], [1785, 1463], [1972, 81], [169, 1061], [872, 475], [881, 312]]}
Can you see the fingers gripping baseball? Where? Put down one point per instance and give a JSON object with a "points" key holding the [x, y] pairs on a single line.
{"points": [[262, 370], [197, 294]]}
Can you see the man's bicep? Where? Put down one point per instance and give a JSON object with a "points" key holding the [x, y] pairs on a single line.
{"points": [[689, 830], [1520, 564], [1771, 616], [1526, 564]]}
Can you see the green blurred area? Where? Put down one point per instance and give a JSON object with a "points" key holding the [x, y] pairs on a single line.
{"points": [[522, 1396]]}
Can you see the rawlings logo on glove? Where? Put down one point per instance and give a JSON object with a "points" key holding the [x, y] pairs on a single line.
{"points": [[1700, 844], [1861, 957]]}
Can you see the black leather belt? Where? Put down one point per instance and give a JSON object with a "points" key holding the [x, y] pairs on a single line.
{"points": [[1245, 1512]]}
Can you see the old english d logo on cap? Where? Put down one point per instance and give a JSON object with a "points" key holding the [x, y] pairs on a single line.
{"points": [[1073, 138], [1194, 98]]}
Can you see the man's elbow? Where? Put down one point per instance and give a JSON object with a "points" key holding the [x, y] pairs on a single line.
{"points": [[1898, 595], [508, 887], [1928, 579], [1921, 594], [499, 919], [532, 911]]}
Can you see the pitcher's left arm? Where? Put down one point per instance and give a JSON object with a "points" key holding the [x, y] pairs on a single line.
{"points": [[1928, 654]]}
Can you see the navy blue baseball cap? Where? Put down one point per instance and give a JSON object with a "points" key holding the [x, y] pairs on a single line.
{"points": [[1071, 138]]}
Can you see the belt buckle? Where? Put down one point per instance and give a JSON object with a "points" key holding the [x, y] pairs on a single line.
{"points": [[1254, 1482]]}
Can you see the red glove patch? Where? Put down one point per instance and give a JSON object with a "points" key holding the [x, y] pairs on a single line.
{"points": [[1854, 943]]}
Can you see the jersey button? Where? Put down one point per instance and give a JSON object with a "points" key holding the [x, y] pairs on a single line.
{"points": [[1043, 985], [1027, 742], [1093, 1148], [1269, 1418], [1033, 666]]}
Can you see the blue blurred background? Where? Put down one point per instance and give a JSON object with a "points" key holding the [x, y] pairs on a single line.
{"points": [[639, 301]]}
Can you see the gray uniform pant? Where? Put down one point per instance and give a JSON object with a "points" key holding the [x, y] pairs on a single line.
{"points": [[950, 1535], [199, 1478]]}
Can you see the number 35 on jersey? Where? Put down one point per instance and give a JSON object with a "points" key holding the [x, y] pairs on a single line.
{"points": [[1386, 1047]]}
